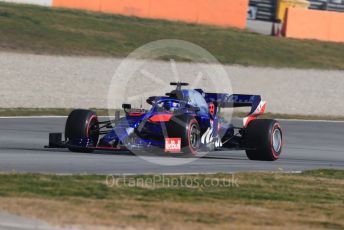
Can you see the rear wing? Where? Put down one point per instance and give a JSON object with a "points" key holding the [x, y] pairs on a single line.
{"points": [[224, 100]]}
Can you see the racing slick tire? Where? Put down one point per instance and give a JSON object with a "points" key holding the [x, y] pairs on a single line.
{"points": [[263, 138], [186, 128], [82, 124]]}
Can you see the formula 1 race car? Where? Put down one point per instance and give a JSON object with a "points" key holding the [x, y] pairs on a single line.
{"points": [[183, 122]]}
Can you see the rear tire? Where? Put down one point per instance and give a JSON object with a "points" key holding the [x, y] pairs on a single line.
{"points": [[82, 124], [186, 128], [264, 137]]}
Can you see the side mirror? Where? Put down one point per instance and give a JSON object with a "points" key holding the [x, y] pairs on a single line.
{"points": [[126, 106]]}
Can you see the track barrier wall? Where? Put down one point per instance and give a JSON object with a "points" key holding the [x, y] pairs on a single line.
{"points": [[214, 12], [225, 13], [314, 24]]}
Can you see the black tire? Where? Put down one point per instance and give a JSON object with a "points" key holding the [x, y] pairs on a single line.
{"points": [[187, 128], [264, 137], [82, 124]]}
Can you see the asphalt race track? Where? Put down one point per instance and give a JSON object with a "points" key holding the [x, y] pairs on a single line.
{"points": [[308, 145]]}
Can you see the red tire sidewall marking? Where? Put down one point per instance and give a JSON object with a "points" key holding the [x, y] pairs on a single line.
{"points": [[93, 117], [274, 153]]}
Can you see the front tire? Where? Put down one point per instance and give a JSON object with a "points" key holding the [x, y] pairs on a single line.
{"points": [[186, 128], [82, 123], [264, 140]]}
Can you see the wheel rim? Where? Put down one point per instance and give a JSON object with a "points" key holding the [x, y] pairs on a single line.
{"points": [[277, 140], [194, 136]]}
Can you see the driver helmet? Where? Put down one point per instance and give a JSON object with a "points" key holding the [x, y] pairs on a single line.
{"points": [[171, 105], [168, 105]]}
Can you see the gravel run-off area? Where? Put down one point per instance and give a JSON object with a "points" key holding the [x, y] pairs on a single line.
{"points": [[41, 81]]}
